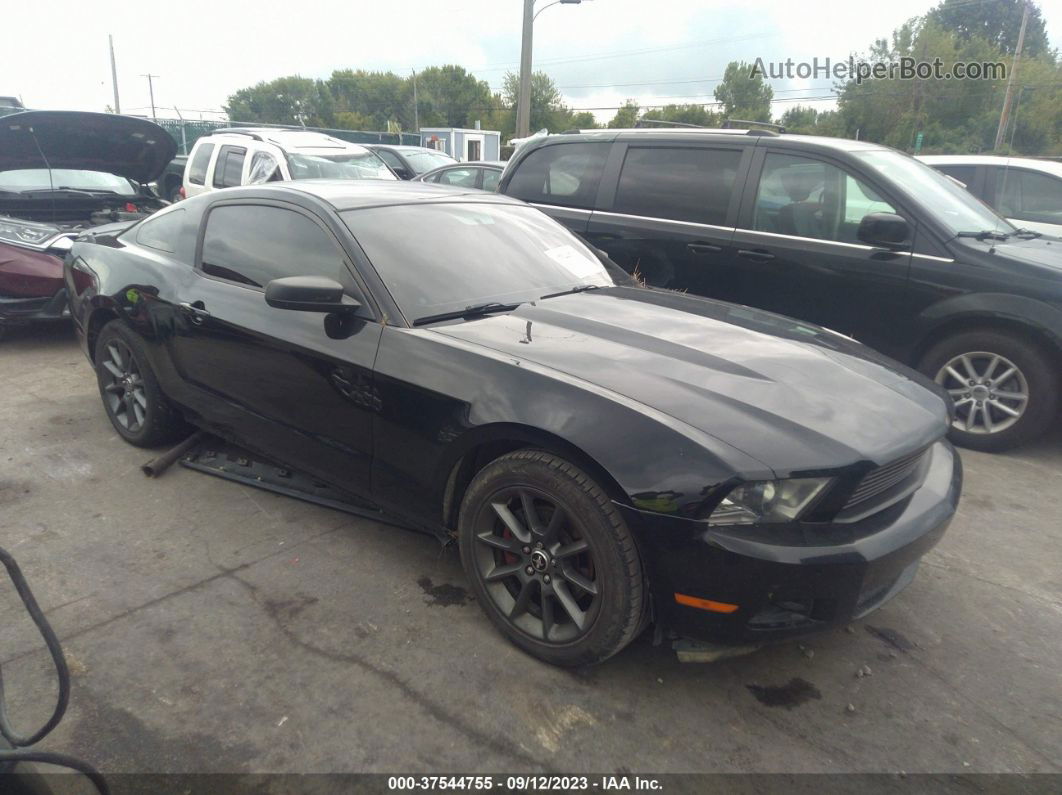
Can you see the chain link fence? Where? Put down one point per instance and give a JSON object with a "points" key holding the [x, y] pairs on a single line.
{"points": [[186, 131]]}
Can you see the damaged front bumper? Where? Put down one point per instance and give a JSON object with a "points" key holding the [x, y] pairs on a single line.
{"points": [[31, 286]]}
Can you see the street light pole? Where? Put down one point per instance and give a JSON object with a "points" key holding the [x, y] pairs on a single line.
{"points": [[523, 102], [523, 99]]}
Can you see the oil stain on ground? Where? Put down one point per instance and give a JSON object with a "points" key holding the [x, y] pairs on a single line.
{"points": [[796, 692], [445, 594]]}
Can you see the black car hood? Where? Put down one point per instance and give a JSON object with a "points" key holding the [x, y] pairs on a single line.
{"points": [[791, 395], [136, 149], [1043, 252]]}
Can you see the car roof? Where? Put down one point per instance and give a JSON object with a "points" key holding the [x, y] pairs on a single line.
{"points": [[407, 148], [355, 194], [687, 133], [1047, 166], [289, 140]]}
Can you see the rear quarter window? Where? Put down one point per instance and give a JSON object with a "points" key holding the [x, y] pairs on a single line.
{"points": [[198, 167], [564, 174], [162, 231]]}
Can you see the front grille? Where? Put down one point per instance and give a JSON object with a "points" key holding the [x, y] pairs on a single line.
{"points": [[880, 480]]}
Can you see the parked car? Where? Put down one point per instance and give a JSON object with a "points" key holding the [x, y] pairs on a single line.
{"points": [[252, 155], [850, 235], [601, 453], [1027, 192], [479, 175], [62, 172], [170, 182], [409, 161]]}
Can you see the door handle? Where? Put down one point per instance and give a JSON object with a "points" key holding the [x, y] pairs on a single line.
{"points": [[704, 248], [197, 314], [755, 254]]}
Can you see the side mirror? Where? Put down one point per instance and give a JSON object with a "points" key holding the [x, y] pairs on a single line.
{"points": [[884, 230], [309, 294]]}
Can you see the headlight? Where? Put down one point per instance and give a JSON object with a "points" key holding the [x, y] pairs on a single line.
{"points": [[25, 233], [768, 501]]}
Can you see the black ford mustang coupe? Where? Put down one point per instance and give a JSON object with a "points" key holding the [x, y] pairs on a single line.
{"points": [[605, 455]]}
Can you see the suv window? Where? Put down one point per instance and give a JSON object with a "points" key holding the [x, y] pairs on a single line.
{"points": [[681, 183], [566, 174], [228, 170], [197, 170], [264, 168], [810, 198], [390, 158], [1028, 195], [254, 244], [160, 232]]}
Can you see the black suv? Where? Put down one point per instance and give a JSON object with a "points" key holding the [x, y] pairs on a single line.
{"points": [[854, 236]]}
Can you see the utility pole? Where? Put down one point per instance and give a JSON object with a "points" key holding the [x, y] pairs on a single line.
{"points": [[114, 75], [151, 92], [523, 100], [416, 111], [1004, 116]]}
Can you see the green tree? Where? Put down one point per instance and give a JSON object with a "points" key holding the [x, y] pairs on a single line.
{"points": [[744, 95], [449, 96], [583, 120], [996, 22], [685, 114], [548, 110], [287, 100], [374, 98], [625, 117]]}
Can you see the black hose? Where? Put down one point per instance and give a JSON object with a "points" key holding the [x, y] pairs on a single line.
{"points": [[52, 642], [62, 760], [7, 731]]}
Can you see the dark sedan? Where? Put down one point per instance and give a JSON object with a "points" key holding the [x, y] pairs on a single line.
{"points": [[409, 161], [604, 455], [62, 172], [481, 175]]}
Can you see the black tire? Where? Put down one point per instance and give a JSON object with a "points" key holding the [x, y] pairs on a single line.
{"points": [[587, 545], [1034, 376], [173, 194], [132, 397]]}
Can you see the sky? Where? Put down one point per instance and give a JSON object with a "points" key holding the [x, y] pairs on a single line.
{"points": [[600, 52]]}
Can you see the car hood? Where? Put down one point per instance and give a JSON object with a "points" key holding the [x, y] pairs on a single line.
{"points": [[136, 149], [794, 396], [1045, 253]]}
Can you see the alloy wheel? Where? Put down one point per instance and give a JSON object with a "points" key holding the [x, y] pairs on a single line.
{"points": [[124, 392], [537, 565], [990, 392]]}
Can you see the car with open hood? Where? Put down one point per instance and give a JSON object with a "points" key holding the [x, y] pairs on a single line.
{"points": [[604, 455], [62, 172]]}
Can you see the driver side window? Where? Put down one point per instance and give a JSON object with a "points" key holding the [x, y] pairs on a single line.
{"points": [[253, 244], [802, 197]]}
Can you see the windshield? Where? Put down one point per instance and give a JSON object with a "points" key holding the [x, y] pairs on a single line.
{"points": [[423, 162], [959, 210], [349, 165], [23, 179], [462, 255]]}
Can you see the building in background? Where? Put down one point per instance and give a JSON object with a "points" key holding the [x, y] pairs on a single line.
{"points": [[463, 144]]}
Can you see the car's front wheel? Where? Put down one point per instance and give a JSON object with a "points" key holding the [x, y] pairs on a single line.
{"points": [[1004, 387], [131, 394], [551, 560]]}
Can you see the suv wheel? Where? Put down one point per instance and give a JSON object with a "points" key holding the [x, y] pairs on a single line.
{"points": [[1004, 388], [551, 560]]}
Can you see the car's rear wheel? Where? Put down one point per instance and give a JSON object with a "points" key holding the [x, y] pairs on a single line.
{"points": [[1004, 388], [131, 394], [551, 560]]}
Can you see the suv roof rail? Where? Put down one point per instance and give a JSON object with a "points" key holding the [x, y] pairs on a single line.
{"points": [[665, 123], [237, 131], [775, 129]]}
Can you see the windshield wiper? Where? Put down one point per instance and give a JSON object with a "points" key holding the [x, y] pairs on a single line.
{"points": [[479, 310], [1027, 234], [988, 234], [582, 288]]}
